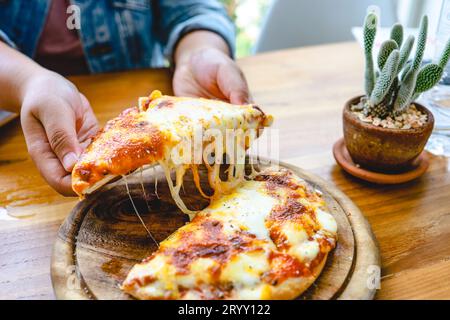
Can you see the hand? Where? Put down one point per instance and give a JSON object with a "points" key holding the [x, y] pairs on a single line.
{"points": [[208, 71], [58, 123]]}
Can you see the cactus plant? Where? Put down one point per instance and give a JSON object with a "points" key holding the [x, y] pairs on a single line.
{"points": [[369, 31], [399, 81], [397, 34], [427, 77], [385, 50], [384, 81], [405, 51]]}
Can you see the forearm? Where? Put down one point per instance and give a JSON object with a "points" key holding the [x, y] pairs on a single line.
{"points": [[197, 40], [15, 70]]}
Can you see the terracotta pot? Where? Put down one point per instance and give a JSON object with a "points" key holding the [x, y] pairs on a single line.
{"points": [[382, 149]]}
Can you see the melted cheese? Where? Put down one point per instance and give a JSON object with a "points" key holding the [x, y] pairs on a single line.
{"points": [[294, 232], [259, 292], [232, 250], [245, 270], [326, 221], [248, 206], [306, 250], [163, 131], [197, 273]]}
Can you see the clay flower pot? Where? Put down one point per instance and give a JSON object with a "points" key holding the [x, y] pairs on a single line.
{"points": [[382, 149]]}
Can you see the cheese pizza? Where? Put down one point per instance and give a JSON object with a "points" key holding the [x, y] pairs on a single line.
{"points": [[162, 131], [264, 235], [268, 239]]}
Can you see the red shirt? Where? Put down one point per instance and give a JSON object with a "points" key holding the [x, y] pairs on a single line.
{"points": [[59, 48]]}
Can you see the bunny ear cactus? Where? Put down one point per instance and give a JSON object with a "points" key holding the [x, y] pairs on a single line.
{"points": [[421, 42], [397, 34], [445, 55], [399, 79], [385, 50], [405, 51], [430, 74], [406, 90], [384, 81], [383, 86], [369, 32]]}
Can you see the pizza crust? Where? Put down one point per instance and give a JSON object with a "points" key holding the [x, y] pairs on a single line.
{"points": [[293, 288]]}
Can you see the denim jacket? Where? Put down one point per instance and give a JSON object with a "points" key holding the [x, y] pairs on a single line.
{"points": [[118, 34]]}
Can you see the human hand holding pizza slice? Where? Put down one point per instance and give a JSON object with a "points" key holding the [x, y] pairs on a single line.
{"points": [[58, 121], [58, 124], [56, 118], [204, 69]]}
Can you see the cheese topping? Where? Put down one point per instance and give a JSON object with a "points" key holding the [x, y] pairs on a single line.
{"points": [[178, 134], [268, 234], [258, 239]]}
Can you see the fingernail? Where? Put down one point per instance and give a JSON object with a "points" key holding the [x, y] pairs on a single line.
{"points": [[69, 161]]}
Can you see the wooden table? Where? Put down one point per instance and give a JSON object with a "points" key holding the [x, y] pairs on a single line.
{"points": [[305, 89]]}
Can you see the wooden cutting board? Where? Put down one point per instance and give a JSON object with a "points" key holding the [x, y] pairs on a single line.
{"points": [[102, 238]]}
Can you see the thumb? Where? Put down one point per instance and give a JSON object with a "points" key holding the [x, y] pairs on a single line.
{"points": [[60, 128], [233, 84]]}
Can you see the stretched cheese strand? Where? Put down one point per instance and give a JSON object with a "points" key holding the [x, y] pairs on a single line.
{"points": [[179, 175], [141, 180], [156, 182], [231, 171], [252, 137], [236, 172], [174, 190], [254, 172], [196, 177], [236, 175], [137, 213]]}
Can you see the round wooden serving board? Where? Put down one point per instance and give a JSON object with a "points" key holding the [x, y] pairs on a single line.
{"points": [[102, 239]]}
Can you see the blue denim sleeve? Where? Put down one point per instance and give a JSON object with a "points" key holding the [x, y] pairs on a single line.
{"points": [[4, 37], [177, 18]]}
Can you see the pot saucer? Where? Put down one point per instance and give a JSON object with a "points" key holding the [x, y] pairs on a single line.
{"points": [[344, 160]]}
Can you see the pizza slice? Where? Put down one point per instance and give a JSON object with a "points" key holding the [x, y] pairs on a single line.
{"points": [[268, 239], [163, 130]]}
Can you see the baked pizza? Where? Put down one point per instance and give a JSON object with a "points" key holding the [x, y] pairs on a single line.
{"points": [[264, 235], [162, 131], [268, 239]]}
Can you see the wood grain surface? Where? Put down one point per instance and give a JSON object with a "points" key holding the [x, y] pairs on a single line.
{"points": [[305, 89], [102, 239]]}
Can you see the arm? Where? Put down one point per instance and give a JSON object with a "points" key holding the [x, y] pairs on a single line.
{"points": [[56, 119], [15, 69], [199, 40], [175, 19]]}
